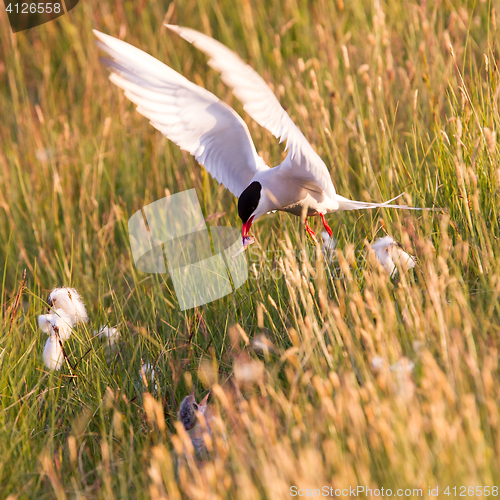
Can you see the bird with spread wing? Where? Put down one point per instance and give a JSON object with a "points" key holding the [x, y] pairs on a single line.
{"points": [[200, 123]]}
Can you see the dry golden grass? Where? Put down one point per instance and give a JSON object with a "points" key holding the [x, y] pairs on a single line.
{"points": [[395, 96]]}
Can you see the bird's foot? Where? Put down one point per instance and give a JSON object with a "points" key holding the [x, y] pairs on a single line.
{"points": [[327, 227], [310, 232]]}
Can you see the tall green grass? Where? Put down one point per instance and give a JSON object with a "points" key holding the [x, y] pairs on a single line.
{"points": [[395, 97]]}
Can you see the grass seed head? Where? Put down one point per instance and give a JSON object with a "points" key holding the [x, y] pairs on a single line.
{"points": [[108, 334], [69, 301], [56, 323], [52, 353], [390, 255]]}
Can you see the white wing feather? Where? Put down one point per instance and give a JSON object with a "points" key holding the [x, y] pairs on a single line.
{"points": [[188, 115], [262, 105]]}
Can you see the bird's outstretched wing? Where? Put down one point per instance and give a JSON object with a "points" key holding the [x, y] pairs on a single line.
{"points": [[262, 105], [188, 115]]}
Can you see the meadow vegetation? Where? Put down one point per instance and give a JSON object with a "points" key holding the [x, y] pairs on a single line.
{"points": [[310, 362]]}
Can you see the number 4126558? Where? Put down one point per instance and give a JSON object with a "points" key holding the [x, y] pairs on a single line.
{"points": [[463, 491], [33, 8]]}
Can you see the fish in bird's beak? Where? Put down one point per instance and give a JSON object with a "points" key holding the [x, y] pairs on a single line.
{"points": [[246, 239]]}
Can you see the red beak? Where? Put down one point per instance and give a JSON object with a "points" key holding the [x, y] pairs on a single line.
{"points": [[246, 227]]}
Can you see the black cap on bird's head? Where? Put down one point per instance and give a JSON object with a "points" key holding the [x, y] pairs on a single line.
{"points": [[247, 204]]}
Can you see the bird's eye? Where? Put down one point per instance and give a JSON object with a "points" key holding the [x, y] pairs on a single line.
{"points": [[195, 406]]}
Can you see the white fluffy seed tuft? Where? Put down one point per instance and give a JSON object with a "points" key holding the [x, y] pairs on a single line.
{"points": [[67, 309], [69, 301], [328, 246], [391, 255], [56, 323], [52, 354], [109, 334]]}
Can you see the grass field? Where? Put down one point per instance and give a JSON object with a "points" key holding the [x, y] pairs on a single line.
{"points": [[396, 96]]}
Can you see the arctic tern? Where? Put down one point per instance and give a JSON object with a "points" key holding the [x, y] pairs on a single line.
{"points": [[200, 123]]}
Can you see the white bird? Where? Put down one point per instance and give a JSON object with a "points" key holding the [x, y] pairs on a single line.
{"points": [[198, 122]]}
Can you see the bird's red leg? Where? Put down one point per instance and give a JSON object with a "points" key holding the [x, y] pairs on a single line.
{"points": [[310, 232], [327, 227]]}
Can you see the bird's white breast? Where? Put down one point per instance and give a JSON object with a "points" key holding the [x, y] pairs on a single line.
{"points": [[291, 194]]}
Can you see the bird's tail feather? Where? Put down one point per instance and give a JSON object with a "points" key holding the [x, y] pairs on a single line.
{"points": [[345, 204]]}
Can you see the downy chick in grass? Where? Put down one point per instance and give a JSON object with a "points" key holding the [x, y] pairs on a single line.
{"points": [[391, 255], [189, 415]]}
